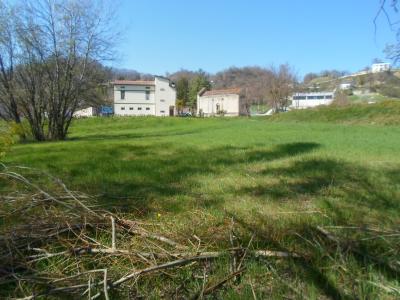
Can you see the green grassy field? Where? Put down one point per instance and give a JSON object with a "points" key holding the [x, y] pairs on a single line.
{"points": [[279, 178]]}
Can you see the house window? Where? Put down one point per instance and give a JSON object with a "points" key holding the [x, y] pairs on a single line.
{"points": [[147, 108], [328, 97], [218, 107], [130, 108], [147, 87], [122, 95], [122, 108], [147, 95], [162, 111], [139, 108], [299, 98], [162, 100]]}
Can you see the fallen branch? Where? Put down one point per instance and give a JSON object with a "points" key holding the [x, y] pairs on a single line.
{"points": [[185, 261], [61, 227], [113, 238], [328, 235], [168, 265], [132, 228], [110, 251], [361, 229]]}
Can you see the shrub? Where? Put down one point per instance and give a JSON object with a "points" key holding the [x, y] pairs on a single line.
{"points": [[390, 91], [6, 139], [341, 98]]}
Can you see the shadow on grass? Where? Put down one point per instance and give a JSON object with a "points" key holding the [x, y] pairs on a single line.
{"points": [[332, 178], [130, 135], [311, 272], [352, 195], [145, 174], [374, 252], [136, 178]]}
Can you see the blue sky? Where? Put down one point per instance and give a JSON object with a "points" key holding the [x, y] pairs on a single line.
{"points": [[164, 36]]}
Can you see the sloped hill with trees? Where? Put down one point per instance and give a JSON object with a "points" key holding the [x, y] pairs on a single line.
{"points": [[386, 84]]}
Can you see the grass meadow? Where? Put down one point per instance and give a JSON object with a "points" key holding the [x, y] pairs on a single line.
{"points": [[277, 178]]}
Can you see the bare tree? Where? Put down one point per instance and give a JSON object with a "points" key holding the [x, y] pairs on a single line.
{"points": [[253, 80], [73, 36], [386, 9], [341, 99], [9, 108], [61, 45], [281, 86]]}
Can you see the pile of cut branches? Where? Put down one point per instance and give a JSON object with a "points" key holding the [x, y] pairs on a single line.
{"points": [[56, 244]]}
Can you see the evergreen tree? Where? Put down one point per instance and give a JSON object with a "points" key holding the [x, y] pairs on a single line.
{"points": [[182, 91], [196, 84]]}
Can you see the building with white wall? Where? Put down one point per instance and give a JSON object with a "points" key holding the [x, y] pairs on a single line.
{"points": [[345, 86], [307, 100], [225, 102], [144, 98], [85, 112], [381, 67]]}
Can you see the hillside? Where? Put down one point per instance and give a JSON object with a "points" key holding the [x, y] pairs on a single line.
{"points": [[365, 87], [382, 113]]}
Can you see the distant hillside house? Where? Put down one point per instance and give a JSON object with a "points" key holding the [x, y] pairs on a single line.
{"points": [[345, 86], [307, 100], [226, 102], [381, 67], [144, 98]]}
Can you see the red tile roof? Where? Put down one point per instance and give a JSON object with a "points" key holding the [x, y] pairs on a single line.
{"points": [[222, 92], [133, 82]]}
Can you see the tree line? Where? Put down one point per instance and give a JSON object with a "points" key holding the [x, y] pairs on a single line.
{"points": [[271, 86]]}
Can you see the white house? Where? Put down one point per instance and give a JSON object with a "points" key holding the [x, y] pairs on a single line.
{"points": [[345, 86], [85, 112], [226, 102], [144, 98], [306, 100], [381, 67]]}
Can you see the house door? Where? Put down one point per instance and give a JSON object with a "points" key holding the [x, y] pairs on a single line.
{"points": [[171, 111]]}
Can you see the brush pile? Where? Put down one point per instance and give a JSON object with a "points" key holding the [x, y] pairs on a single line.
{"points": [[55, 244]]}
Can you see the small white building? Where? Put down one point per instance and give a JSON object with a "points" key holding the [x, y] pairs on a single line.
{"points": [[381, 67], [345, 86], [85, 112], [225, 102], [307, 100], [144, 98]]}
